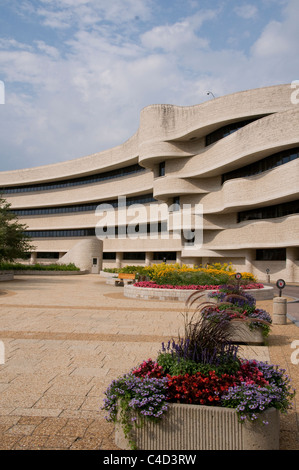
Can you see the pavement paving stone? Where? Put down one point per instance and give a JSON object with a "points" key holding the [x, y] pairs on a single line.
{"points": [[66, 338]]}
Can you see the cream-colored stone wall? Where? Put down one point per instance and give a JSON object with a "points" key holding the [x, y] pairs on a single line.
{"points": [[176, 135]]}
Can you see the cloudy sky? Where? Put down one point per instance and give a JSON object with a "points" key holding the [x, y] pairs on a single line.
{"points": [[78, 72]]}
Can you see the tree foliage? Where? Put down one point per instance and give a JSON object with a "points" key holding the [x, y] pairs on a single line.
{"points": [[14, 243]]}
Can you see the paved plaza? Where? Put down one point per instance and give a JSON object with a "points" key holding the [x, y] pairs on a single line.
{"points": [[67, 337]]}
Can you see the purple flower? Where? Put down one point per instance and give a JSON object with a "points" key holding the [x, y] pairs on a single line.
{"points": [[248, 397], [145, 396]]}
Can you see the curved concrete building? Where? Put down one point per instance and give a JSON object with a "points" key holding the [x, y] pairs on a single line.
{"points": [[231, 161]]}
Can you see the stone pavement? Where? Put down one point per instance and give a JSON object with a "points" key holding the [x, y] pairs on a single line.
{"points": [[67, 337]]}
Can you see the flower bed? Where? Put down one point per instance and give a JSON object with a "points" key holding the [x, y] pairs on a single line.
{"points": [[175, 274], [137, 399], [201, 369], [175, 293], [154, 285], [238, 307]]}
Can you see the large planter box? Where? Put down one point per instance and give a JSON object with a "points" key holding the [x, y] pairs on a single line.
{"points": [[181, 295], [194, 427], [240, 333]]}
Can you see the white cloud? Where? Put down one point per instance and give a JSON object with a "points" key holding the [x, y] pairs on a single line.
{"points": [[66, 13], [63, 104], [174, 37], [246, 11], [280, 38], [171, 37]]}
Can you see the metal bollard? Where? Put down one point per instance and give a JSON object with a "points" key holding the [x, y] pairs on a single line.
{"points": [[279, 311]]}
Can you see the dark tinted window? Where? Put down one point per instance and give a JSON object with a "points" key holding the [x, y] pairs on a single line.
{"points": [[275, 254], [145, 199], [226, 130], [118, 173], [265, 164], [279, 210]]}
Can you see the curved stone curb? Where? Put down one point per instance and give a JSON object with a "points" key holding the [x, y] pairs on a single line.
{"points": [[25, 272], [181, 295], [6, 276]]}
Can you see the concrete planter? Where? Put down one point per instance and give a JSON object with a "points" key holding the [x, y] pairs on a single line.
{"points": [[181, 295], [194, 427], [242, 334], [240, 331]]}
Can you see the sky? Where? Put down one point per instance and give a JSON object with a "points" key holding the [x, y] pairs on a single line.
{"points": [[77, 73]]}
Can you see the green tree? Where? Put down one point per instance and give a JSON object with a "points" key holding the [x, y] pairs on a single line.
{"points": [[14, 243]]}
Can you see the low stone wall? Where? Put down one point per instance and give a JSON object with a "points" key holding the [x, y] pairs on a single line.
{"points": [[106, 274], [181, 295], [28, 272], [6, 276]]}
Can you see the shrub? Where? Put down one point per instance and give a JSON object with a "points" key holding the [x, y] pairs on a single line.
{"points": [[165, 273], [38, 267], [111, 270], [173, 365], [132, 269]]}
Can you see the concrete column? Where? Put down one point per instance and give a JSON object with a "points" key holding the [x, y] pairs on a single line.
{"points": [[279, 311], [248, 261], [179, 257], [33, 258], [119, 258], [290, 264], [148, 258]]}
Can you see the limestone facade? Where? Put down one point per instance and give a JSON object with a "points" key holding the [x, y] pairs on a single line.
{"points": [[235, 157]]}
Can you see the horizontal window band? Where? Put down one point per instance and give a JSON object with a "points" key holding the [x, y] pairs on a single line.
{"points": [[227, 130], [268, 163], [270, 212], [91, 232], [118, 173], [146, 199]]}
